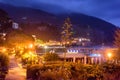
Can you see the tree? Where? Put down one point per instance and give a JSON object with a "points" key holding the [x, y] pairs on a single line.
{"points": [[4, 64], [5, 24], [117, 44], [17, 38], [18, 42], [38, 42], [66, 33], [51, 57], [5, 21], [117, 38], [4, 60]]}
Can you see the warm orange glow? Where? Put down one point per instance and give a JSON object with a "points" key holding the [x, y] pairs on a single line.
{"points": [[4, 50], [26, 55], [30, 45], [45, 47], [30, 53], [109, 55]]}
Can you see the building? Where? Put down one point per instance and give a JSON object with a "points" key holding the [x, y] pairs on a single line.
{"points": [[81, 41], [15, 25], [85, 55]]}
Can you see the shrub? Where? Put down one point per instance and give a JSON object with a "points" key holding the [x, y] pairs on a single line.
{"points": [[4, 62], [73, 71], [111, 71], [51, 57]]}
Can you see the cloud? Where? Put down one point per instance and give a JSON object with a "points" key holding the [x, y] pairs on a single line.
{"points": [[105, 9]]}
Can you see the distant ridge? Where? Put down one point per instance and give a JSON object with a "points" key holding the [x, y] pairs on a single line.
{"points": [[32, 19]]}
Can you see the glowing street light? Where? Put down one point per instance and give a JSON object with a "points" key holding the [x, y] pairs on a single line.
{"points": [[4, 50], [45, 48], [30, 53], [109, 55], [30, 45]]}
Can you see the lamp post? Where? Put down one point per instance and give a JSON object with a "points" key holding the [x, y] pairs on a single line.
{"points": [[45, 47], [30, 45], [109, 55], [4, 50]]}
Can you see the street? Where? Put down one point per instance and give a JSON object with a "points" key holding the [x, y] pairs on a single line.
{"points": [[15, 71]]}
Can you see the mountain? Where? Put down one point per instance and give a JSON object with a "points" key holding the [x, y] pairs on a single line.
{"points": [[5, 21], [48, 26], [20, 14], [100, 31]]}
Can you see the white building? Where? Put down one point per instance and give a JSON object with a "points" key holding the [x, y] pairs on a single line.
{"points": [[86, 55], [15, 25], [82, 41]]}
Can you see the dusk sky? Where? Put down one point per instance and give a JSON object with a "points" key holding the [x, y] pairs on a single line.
{"points": [[108, 10]]}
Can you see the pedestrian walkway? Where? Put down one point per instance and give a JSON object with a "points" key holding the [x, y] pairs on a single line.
{"points": [[15, 71]]}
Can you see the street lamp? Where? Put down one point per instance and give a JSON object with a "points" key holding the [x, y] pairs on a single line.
{"points": [[31, 46], [109, 55], [4, 50], [45, 48]]}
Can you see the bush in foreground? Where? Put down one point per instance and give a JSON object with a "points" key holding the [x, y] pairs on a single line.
{"points": [[4, 62], [72, 71]]}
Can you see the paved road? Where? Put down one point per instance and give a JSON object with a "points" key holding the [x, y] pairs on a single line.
{"points": [[15, 71]]}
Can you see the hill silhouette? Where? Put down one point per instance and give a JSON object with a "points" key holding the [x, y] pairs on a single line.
{"points": [[47, 26]]}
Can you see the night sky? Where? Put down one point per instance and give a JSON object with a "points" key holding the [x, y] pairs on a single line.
{"points": [[108, 10]]}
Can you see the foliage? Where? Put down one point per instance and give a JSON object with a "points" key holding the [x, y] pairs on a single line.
{"points": [[18, 42], [2, 40], [67, 32], [111, 71], [117, 38], [32, 71], [73, 71], [29, 59], [4, 63], [117, 44], [50, 57], [116, 54], [5, 24], [47, 73], [38, 42], [17, 38], [5, 21], [4, 60]]}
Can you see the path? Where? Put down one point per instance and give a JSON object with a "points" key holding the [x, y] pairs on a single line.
{"points": [[15, 71]]}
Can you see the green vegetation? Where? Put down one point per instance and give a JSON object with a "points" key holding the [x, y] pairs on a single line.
{"points": [[38, 42], [73, 71], [29, 58], [51, 57], [4, 63], [117, 44], [117, 38], [5, 21], [18, 39], [20, 44], [67, 32]]}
